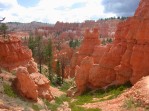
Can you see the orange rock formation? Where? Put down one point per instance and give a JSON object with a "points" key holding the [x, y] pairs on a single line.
{"points": [[122, 61], [135, 57], [29, 83], [13, 54]]}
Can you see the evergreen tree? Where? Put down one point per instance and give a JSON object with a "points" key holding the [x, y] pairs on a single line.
{"points": [[32, 44], [49, 58], [37, 47], [39, 50], [58, 72], [71, 44]]}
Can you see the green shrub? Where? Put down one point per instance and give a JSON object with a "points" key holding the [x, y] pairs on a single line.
{"points": [[65, 86], [51, 106], [35, 107], [9, 91]]}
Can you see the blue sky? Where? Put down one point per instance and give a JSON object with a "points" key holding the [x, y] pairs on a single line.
{"points": [[28, 3], [51, 11]]}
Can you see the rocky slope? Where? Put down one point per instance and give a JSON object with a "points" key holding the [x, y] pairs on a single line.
{"points": [[122, 61], [133, 99]]}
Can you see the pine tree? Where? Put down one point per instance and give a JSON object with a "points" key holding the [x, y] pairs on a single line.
{"points": [[31, 44], [58, 72], [49, 58], [39, 49], [71, 44]]}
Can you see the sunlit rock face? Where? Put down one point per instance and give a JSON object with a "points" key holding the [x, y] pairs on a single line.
{"points": [[126, 59], [32, 85]]}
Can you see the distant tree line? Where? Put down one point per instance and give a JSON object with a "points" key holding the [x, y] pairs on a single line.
{"points": [[113, 18]]}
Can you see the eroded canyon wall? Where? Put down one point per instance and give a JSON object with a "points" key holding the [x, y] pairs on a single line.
{"points": [[126, 59]]}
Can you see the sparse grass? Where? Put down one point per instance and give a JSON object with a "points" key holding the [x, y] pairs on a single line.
{"points": [[111, 92], [87, 97], [8, 90], [72, 105], [130, 103]]}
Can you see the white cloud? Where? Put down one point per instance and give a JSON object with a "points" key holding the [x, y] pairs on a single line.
{"points": [[49, 11]]}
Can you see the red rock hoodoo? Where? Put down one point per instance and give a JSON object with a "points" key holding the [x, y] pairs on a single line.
{"points": [[122, 61], [90, 41]]}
